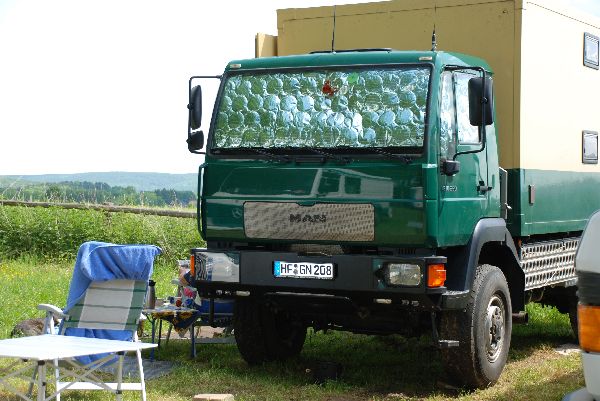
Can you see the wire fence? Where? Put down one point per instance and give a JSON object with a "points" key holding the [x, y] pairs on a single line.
{"points": [[107, 208]]}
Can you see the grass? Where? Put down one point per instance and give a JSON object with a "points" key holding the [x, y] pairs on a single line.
{"points": [[28, 281], [376, 368], [56, 233]]}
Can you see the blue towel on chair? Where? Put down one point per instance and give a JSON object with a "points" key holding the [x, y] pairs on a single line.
{"points": [[101, 261]]}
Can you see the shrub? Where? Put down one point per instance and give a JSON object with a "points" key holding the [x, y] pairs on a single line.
{"points": [[56, 233]]}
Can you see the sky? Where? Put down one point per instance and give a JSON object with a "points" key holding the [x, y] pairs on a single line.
{"points": [[101, 85]]}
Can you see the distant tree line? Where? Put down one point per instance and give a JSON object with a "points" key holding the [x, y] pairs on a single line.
{"points": [[96, 193]]}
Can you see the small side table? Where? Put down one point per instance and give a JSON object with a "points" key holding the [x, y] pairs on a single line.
{"points": [[169, 313]]}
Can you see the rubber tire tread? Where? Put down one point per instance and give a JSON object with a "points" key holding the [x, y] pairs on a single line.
{"points": [[282, 348], [257, 336], [466, 364], [248, 332]]}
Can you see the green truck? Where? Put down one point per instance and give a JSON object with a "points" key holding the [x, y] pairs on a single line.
{"points": [[364, 190]]}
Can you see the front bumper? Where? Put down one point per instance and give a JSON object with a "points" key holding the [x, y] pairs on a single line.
{"points": [[358, 277]]}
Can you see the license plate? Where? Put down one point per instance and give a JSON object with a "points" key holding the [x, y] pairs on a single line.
{"points": [[322, 271]]}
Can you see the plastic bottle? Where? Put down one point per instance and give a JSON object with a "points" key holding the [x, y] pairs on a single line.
{"points": [[151, 295]]}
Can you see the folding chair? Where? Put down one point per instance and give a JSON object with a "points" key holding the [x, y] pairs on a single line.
{"points": [[106, 298]]}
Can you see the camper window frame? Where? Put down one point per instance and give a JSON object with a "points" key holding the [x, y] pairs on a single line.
{"points": [[587, 38], [585, 159]]}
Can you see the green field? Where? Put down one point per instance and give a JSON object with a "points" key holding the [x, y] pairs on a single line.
{"points": [[54, 233], [37, 248]]}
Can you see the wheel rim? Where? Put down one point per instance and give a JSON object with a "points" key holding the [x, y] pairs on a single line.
{"points": [[494, 326]]}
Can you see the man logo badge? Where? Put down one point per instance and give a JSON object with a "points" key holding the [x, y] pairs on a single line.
{"points": [[308, 218]]}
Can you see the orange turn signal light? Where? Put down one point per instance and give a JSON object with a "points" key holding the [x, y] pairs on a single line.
{"points": [[436, 275], [193, 266], [588, 318]]}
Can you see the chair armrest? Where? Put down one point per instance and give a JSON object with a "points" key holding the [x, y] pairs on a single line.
{"points": [[53, 310]]}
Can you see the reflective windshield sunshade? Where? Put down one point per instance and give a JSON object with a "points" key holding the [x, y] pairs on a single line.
{"points": [[382, 107]]}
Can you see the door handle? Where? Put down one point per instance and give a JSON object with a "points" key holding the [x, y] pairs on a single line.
{"points": [[482, 187]]}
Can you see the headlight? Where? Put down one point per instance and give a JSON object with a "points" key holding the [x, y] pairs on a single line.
{"points": [[213, 266], [407, 274]]}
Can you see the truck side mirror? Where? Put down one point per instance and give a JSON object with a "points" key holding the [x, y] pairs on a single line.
{"points": [[195, 107], [481, 101], [195, 141]]}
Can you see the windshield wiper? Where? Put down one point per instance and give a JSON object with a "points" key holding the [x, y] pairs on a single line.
{"points": [[271, 156], [339, 159], [389, 155], [380, 151]]}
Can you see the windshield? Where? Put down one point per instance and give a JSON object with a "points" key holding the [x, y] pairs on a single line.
{"points": [[359, 108]]}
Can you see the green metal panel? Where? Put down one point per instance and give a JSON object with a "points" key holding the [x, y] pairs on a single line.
{"points": [[563, 201], [392, 187], [461, 205]]}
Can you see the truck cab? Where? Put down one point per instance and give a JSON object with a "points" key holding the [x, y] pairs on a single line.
{"points": [[356, 190]]}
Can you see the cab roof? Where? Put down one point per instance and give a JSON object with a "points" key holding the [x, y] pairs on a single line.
{"points": [[358, 57]]}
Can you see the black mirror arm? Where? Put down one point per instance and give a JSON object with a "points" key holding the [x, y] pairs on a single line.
{"points": [[454, 167], [482, 129], [483, 140]]}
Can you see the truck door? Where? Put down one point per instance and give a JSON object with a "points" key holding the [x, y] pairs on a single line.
{"points": [[463, 197]]}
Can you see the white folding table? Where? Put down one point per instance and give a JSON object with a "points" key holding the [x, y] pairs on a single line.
{"points": [[40, 350]]}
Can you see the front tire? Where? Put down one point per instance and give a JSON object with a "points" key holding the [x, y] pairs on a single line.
{"points": [[263, 334], [483, 330]]}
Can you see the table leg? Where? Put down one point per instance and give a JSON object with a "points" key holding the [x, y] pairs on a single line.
{"points": [[120, 375], [152, 324], [32, 381], [41, 380], [56, 377], [193, 339], [141, 371], [159, 332]]}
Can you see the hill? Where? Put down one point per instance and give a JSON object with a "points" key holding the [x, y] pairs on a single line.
{"points": [[139, 181]]}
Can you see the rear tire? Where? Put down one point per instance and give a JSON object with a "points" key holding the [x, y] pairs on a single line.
{"points": [[263, 334], [483, 330]]}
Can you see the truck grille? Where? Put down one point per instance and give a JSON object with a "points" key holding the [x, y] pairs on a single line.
{"points": [[317, 248], [320, 222], [549, 262]]}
